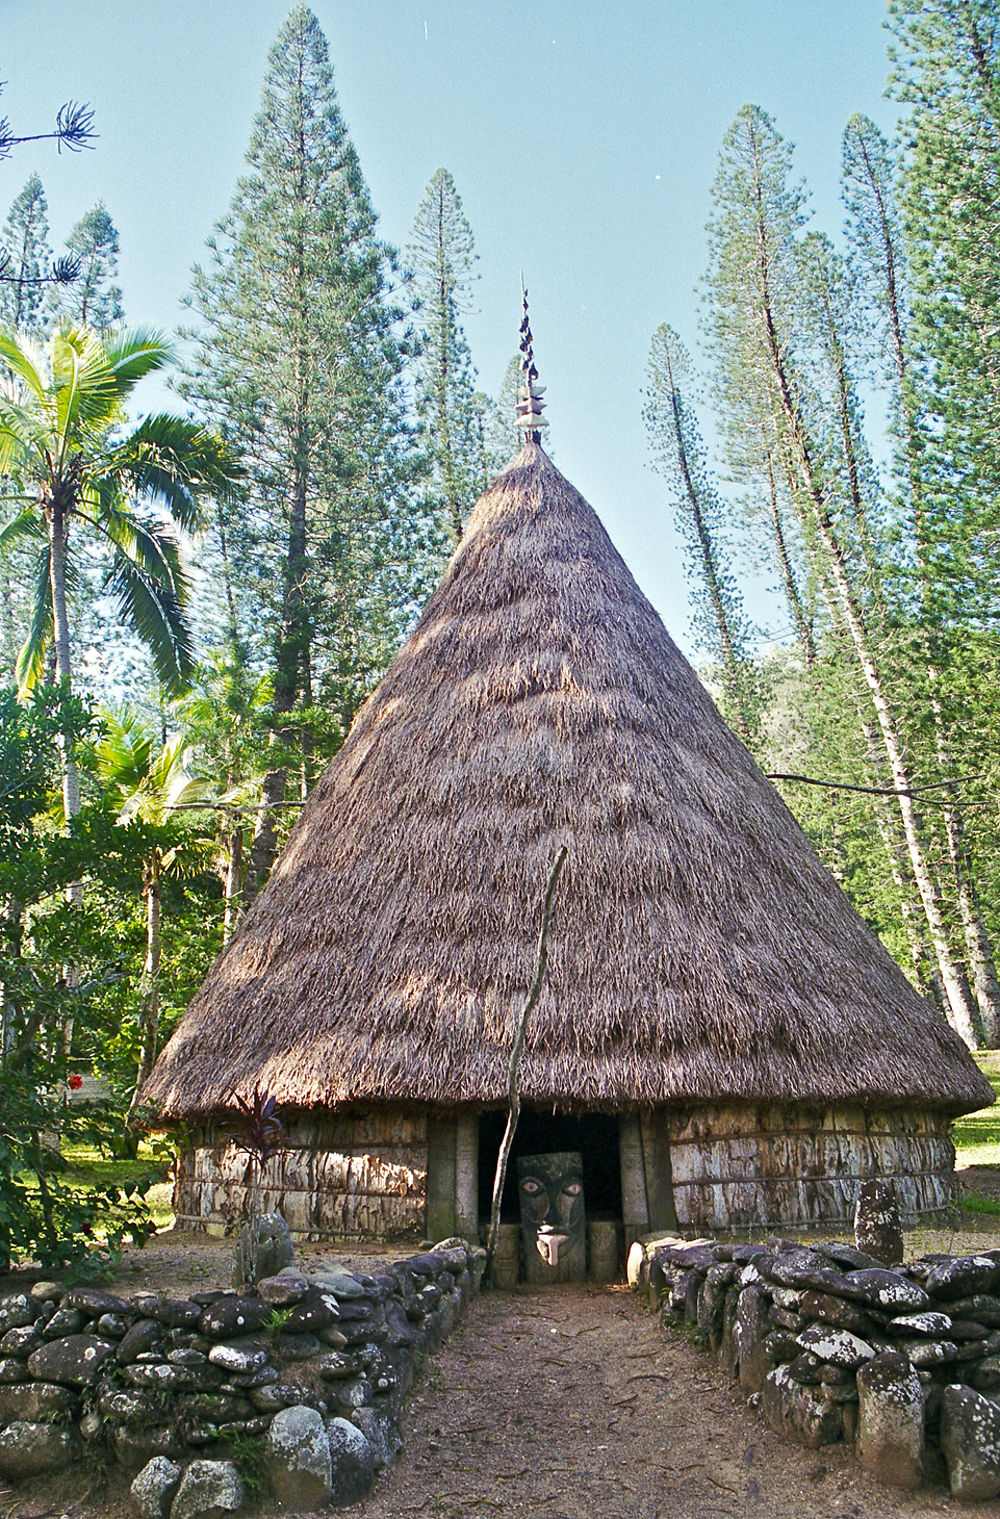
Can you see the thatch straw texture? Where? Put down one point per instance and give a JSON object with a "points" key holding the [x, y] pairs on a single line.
{"points": [[699, 950]]}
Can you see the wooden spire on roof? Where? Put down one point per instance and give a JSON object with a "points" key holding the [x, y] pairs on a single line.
{"points": [[529, 402]]}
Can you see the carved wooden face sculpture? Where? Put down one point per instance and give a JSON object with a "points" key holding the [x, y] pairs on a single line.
{"points": [[550, 1188]]}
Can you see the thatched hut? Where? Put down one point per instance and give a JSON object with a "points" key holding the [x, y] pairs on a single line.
{"points": [[720, 1034]]}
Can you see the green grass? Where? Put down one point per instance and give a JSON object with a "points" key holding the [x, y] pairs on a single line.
{"points": [[974, 1202], [977, 1135], [88, 1169]]}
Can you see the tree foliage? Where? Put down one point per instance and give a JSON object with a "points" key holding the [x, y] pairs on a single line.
{"points": [[298, 358], [452, 412]]}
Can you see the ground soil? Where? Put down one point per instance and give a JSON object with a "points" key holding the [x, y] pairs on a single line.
{"points": [[566, 1403]]}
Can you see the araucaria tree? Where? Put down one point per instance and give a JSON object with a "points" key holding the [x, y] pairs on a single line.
{"points": [[778, 308], [27, 271], [451, 411], [297, 357], [93, 299], [679, 455]]}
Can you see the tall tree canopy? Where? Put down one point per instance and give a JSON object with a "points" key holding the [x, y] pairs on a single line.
{"points": [[25, 242], [299, 360], [93, 299], [679, 455], [451, 410], [780, 312]]}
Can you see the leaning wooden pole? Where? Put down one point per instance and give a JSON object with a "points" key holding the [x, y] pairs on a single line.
{"points": [[514, 1108]]}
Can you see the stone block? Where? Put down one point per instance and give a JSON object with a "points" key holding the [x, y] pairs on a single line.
{"points": [[352, 1463], [798, 1412], [209, 1490], [36, 1402], [382, 1433], [31, 1450], [890, 1432], [837, 1347], [16, 1311], [153, 1490], [877, 1229], [274, 1250], [73, 1361], [752, 1329], [970, 1440], [297, 1459]]}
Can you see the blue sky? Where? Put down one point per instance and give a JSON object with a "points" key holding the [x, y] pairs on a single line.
{"points": [[582, 141]]}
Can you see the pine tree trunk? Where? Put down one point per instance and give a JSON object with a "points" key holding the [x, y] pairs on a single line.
{"points": [[928, 978], [962, 1015], [264, 844], [231, 885], [803, 625], [150, 1018], [977, 941]]}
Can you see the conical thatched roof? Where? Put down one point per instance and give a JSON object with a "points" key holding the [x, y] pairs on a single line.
{"points": [[699, 949]]}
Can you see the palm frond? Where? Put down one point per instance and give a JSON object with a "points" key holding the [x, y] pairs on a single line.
{"points": [[133, 353], [27, 524], [188, 859], [85, 392], [148, 544], [173, 460], [24, 435], [149, 604], [124, 751], [31, 660], [27, 359]]}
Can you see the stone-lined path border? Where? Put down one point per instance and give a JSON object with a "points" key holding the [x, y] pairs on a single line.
{"points": [[297, 1388], [904, 1364]]}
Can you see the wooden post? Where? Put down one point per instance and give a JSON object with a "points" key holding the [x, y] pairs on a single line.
{"points": [[541, 960], [655, 1133], [467, 1177], [441, 1157], [635, 1208]]}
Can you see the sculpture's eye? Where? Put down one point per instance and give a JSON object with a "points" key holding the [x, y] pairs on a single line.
{"points": [[572, 1189], [531, 1187]]}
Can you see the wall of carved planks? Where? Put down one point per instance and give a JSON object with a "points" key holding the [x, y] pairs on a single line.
{"points": [[739, 1166], [347, 1175], [403, 1173]]}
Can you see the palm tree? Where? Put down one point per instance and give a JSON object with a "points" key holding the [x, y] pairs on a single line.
{"points": [[150, 783], [225, 713], [75, 468]]}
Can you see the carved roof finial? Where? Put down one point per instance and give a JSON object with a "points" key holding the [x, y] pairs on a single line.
{"points": [[529, 393]]}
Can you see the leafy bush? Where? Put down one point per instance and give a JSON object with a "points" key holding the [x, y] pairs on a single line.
{"points": [[55, 958]]}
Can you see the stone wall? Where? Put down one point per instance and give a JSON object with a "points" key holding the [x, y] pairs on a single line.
{"points": [[306, 1375], [832, 1346], [349, 1176], [788, 1167]]}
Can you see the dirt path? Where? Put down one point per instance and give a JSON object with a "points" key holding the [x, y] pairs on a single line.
{"points": [[575, 1404]]}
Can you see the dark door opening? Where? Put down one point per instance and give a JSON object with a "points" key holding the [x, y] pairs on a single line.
{"points": [[595, 1135]]}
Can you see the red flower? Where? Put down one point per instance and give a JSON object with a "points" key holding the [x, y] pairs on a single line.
{"points": [[75, 1083]]}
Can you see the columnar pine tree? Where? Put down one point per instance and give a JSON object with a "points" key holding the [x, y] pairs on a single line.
{"points": [[881, 290], [501, 437], [298, 358], [93, 299], [441, 256], [774, 377], [718, 608], [25, 241], [947, 70]]}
